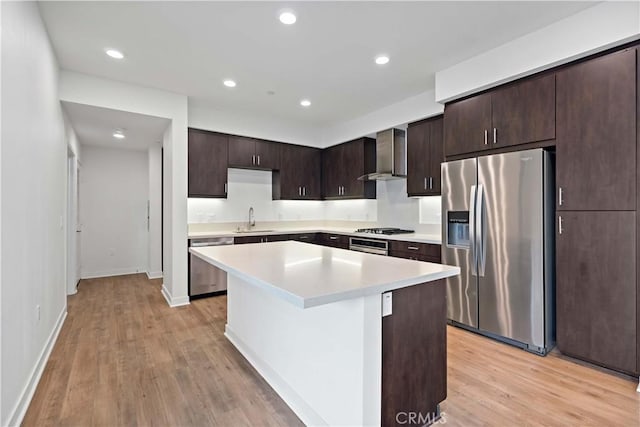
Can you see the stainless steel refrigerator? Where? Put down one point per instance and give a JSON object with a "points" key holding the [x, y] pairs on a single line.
{"points": [[498, 227]]}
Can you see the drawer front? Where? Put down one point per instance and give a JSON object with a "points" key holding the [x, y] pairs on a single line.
{"points": [[336, 240], [304, 237], [416, 256], [413, 247]]}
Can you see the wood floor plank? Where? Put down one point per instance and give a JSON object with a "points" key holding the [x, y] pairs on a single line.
{"points": [[124, 357]]}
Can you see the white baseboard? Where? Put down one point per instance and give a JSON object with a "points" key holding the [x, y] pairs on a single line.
{"points": [[17, 414], [174, 302], [114, 272], [297, 404], [154, 274]]}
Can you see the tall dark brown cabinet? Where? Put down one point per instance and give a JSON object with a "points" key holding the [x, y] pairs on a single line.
{"points": [[596, 200], [207, 158], [300, 175], [342, 164], [425, 154]]}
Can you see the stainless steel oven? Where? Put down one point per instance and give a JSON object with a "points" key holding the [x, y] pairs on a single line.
{"points": [[371, 246], [205, 278]]}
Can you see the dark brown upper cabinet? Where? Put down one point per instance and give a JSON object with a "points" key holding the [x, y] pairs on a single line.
{"points": [[425, 153], [596, 142], [343, 164], [300, 176], [207, 163], [251, 153], [518, 113]]}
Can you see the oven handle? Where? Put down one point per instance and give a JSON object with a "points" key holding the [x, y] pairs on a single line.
{"points": [[368, 250]]}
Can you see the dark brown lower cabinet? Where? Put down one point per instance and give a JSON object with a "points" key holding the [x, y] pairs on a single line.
{"points": [[414, 355], [596, 287]]}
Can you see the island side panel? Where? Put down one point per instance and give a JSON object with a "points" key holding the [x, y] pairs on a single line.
{"points": [[324, 361], [414, 354]]}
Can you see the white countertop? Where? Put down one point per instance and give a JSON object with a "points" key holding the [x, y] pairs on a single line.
{"points": [[434, 239], [309, 275]]}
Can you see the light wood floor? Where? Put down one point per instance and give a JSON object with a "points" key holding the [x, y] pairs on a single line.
{"points": [[124, 357]]}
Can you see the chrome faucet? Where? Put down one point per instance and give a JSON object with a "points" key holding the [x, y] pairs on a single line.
{"points": [[252, 220]]}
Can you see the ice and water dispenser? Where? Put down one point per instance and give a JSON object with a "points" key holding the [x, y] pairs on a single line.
{"points": [[458, 229]]}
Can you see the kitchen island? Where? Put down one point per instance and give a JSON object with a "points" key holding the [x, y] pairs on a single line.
{"points": [[345, 338]]}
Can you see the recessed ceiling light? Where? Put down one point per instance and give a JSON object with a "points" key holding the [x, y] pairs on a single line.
{"points": [[118, 134], [116, 54], [382, 59], [288, 18], [229, 83], [305, 102]]}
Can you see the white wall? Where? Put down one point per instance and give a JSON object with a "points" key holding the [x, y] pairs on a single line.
{"points": [[114, 189], [253, 125], [592, 30], [33, 189], [154, 260], [395, 115], [73, 238], [88, 90], [249, 188]]}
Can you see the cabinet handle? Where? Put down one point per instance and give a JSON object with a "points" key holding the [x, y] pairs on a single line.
{"points": [[304, 191], [299, 192], [413, 248], [425, 182], [495, 135], [430, 183], [333, 237], [486, 136], [560, 196], [559, 225], [258, 160], [225, 188], [253, 159]]}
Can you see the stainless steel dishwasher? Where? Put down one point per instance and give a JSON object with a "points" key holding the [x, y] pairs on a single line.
{"points": [[204, 278]]}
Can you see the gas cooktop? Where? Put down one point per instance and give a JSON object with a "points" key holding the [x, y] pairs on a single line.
{"points": [[383, 230]]}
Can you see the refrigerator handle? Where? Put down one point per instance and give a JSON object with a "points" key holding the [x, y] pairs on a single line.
{"points": [[472, 232], [480, 231]]}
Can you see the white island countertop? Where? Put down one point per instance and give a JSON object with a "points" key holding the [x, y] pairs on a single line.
{"points": [[310, 275]]}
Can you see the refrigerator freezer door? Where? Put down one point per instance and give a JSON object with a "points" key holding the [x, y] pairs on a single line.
{"points": [[458, 178], [511, 270]]}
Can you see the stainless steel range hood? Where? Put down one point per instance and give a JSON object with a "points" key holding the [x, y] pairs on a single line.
{"points": [[391, 156]]}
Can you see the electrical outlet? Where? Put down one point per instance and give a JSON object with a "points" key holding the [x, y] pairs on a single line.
{"points": [[38, 312]]}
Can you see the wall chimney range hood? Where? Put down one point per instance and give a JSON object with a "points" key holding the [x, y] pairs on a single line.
{"points": [[391, 156]]}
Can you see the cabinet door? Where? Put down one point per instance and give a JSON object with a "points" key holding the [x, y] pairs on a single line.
{"points": [[418, 158], [352, 168], [242, 152], [311, 172], [436, 156], [524, 112], [267, 155], [290, 172], [207, 163], [466, 123], [596, 288], [332, 165], [596, 134], [247, 239]]}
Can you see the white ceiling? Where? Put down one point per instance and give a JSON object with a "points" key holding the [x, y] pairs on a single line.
{"points": [[327, 56], [95, 126]]}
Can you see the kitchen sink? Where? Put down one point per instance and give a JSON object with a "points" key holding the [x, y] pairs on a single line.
{"points": [[253, 231]]}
